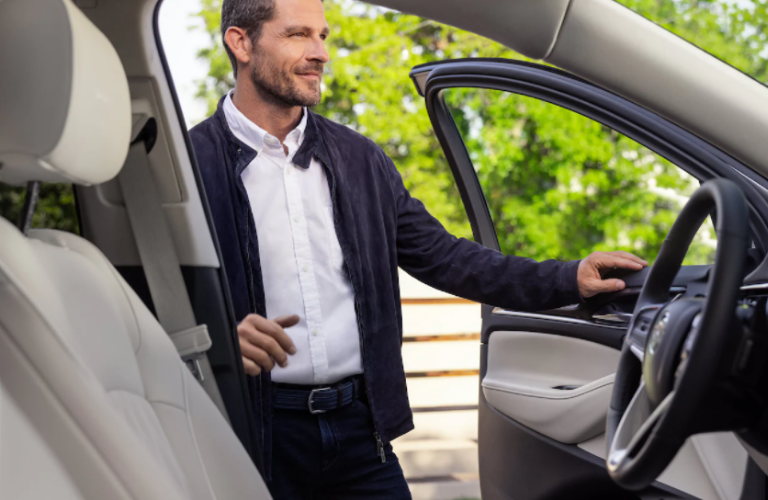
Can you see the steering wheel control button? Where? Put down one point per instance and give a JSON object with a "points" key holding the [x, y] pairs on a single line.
{"points": [[665, 342], [657, 333], [639, 328]]}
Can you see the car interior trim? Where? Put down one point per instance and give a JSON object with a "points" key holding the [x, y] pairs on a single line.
{"points": [[526, 375], [552, 317]]}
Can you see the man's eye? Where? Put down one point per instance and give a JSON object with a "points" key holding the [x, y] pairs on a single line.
{"points": [[297, 34]]}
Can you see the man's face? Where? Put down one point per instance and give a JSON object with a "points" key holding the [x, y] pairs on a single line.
{"points": [[288, 59]]}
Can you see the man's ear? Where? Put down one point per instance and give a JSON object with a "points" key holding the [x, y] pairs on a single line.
{"points": [[239, 43]]}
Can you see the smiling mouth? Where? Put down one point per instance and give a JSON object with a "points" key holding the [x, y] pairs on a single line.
{"points": [[310, 76]]}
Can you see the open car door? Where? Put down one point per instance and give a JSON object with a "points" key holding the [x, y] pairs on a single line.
{"points": [[547, 376]]}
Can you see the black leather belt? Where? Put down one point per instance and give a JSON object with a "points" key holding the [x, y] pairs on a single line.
{"points": [[317, 399]]}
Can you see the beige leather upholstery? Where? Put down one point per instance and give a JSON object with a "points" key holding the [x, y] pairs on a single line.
{"points": [[81, 358], [64, 96], [101, 381], [25, 458]]}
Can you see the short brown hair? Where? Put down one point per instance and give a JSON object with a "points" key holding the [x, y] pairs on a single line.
{"points": [[249, 15]]}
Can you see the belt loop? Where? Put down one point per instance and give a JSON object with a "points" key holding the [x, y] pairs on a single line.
{"points": [[340, 393]]}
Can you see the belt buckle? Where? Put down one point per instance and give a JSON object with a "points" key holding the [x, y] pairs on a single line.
{"points": [[311, 395]]}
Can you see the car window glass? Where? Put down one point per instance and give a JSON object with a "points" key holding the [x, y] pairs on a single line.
{"points": [[560, 185], [55, 206]]}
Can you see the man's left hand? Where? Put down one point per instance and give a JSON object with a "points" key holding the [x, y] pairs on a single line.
{"points": [[589, 278]]}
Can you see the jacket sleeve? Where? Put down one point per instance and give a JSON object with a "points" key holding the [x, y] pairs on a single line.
{"points": [[467, 269]]}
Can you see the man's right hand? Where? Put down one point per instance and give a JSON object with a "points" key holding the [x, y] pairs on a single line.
{"points": [[263, 342]]}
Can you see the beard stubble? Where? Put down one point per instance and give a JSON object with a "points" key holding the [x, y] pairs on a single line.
{"points": [[279, 86]]}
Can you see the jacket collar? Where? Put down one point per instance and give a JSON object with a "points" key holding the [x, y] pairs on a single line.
{"points": [[240, 153], [313, 143], [311, 146]]}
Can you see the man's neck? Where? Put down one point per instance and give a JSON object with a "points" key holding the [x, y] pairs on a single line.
{"points": [[277, 120]]}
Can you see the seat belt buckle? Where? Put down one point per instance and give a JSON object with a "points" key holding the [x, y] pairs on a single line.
{"points": [[192, 344], [193, 363]]}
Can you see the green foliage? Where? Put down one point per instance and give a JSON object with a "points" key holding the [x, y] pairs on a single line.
{"points": [[220, 78], [558, 184], [55, 206]]}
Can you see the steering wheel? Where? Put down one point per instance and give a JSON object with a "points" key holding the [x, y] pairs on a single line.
{"points": [[673, 348]]}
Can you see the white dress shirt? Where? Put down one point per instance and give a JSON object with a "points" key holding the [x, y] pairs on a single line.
{"points": [[301, 261]]}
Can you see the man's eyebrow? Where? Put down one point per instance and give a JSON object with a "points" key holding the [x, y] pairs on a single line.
{"points": [[298, 28]]}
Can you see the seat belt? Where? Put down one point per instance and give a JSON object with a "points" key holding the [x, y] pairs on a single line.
{"points": [[158, 256]]}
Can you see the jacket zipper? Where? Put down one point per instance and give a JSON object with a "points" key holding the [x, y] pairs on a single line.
{"points": [[380, 447], [376, 435], [248, 257]]}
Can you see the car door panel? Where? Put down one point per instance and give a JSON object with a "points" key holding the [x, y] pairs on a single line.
{"points": [[559, 387], [546, 376]]}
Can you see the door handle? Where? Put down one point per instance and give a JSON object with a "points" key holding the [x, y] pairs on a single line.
{"points": [[617, 317]]}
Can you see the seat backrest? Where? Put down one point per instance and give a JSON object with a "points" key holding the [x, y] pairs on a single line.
{"points": [[81, 357], [25, 458]]}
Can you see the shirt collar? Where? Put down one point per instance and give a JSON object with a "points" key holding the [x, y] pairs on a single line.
{"points": [[256, 137]]}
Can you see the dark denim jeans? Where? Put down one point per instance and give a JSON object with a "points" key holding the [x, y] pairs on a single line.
{"points": [[332, 456]]}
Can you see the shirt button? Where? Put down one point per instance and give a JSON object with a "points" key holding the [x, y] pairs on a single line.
{"points": [[315, 332], [304, 268], [287, 170], [296, 220]]}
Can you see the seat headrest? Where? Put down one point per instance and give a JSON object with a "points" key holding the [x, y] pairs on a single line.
{"points": [[65, 108]]}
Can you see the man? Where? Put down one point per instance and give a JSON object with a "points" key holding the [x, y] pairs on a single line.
{"points": [[313, 221]]}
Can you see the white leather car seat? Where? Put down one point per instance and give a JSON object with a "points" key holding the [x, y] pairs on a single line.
{"points": [[81, 357]]}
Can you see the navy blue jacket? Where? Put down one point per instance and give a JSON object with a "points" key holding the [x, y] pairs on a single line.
{"points": [[380, 228]]}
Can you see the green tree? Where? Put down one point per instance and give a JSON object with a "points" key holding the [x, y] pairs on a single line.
{"points": [[558, 184], [55, 207]]}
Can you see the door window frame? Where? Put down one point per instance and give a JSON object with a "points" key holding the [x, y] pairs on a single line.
{"points": [[685, 150]]}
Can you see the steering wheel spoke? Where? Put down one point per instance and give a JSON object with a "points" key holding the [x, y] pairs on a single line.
{"points": [[639, 328], [635, 427]]}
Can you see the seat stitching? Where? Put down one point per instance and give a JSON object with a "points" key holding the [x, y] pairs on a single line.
{"points": [[166, 403], [150, 401], [62, 242], [13, 287], [116, 276], [192, 432]]}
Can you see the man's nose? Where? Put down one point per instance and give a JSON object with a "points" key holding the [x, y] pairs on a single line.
{"points": [[317, 51]]}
